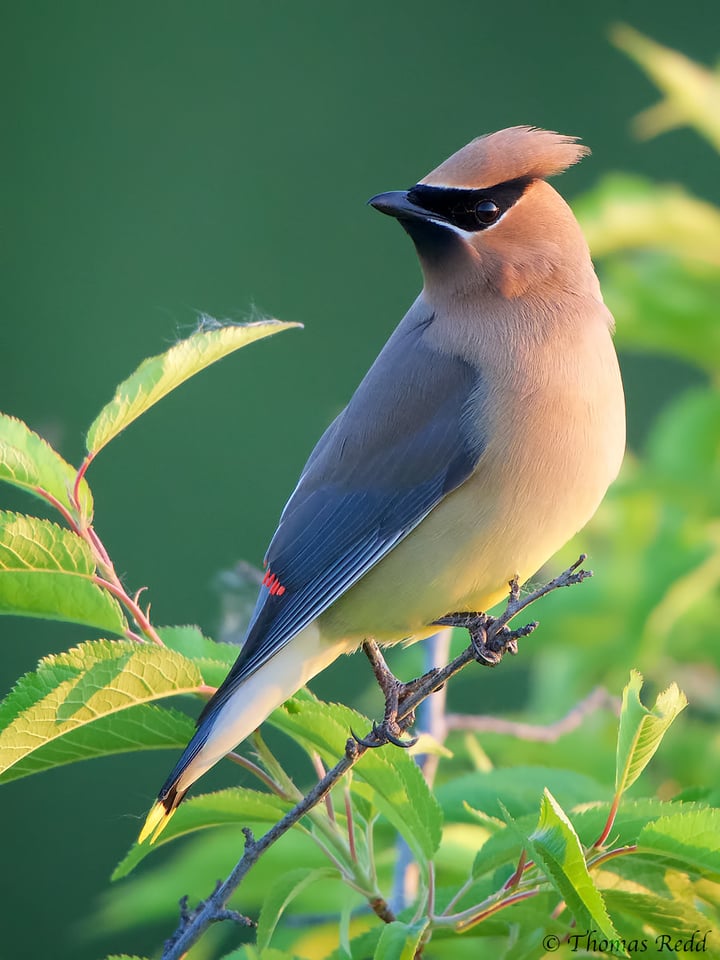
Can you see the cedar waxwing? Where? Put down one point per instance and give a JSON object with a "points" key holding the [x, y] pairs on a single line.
{"points": [[482, 438]]}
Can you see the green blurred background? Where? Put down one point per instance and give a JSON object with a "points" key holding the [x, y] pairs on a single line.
{"points": [[162, 159]]}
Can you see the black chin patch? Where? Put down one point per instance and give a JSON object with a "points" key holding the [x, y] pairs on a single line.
{"points": [[458, 206]]}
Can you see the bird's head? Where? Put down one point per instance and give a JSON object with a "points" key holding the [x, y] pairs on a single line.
{"points": [[487, 215]]}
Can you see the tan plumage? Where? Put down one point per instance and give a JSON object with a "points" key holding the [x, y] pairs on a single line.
{"points": [[483, 437]]}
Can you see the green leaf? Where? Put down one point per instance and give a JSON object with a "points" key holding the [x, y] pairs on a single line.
{"points": [[124, 956], [693, 837], [288, 886], [212, 659], [85, 703], [625, 212], [503, 847], [518, 787], [232, 806], [692, 92], [46, 571], [157, 376], [665, 305], [683, 453], [399, 941], [29, 462], [251, 952], [389, 779], [664, 916], [361, 946], [556, 848], [641, 730]]}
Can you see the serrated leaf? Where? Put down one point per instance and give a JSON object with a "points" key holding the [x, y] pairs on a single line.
{"points": [[46, 719], [391, 780], [641, 730], [693, 837], [159, 375], [556, 849], [192, 643], [399, 941], [666, 917], [503, 847], [143, 727], [236, 805], [518, 788], [46, 571], [283, 893], [29, 462], [124, 956], [213, 659]]}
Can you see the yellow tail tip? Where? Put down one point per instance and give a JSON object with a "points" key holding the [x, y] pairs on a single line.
{"points": [[155, 823]]}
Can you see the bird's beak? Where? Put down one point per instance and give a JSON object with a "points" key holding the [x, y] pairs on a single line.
{"points": [[396, 204]]}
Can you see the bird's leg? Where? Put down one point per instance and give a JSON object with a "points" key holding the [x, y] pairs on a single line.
{"points": [[390, 729]]}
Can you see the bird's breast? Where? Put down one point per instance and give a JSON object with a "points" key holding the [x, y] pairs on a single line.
{"points": [[554, 428]]}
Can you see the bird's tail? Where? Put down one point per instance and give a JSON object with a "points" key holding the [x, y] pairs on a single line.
{"points": [[160, 814], [174, 789], [229, 719]]}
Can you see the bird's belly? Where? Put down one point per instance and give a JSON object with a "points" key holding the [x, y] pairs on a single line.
{"points": [[505, 520]]}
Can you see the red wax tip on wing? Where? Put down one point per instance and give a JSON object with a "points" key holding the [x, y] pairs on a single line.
{"points": [[273, 583]]}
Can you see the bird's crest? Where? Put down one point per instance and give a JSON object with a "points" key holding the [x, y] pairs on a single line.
{"points": [[511, 154]]}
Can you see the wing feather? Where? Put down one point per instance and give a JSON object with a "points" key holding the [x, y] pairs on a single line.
{"points": [[404, 442]]}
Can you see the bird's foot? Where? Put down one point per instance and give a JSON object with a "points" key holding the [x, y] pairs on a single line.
{"points": [[390, 729], [490, 638]]}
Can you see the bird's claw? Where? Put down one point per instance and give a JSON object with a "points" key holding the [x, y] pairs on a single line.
{"points": [[490, 639], [389, 731]]}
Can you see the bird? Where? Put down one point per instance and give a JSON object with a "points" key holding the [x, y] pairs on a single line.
{"points": [[482, 438]]}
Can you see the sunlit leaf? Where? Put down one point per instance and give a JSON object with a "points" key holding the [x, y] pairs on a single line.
{"points": [[692, 837], [665, 306], [251, 952], [159, 375], [396, 785], [46, 571], [519, 789], [50, 715], [670, 918], [641, 730], [625, 212], [288, 887], [503, 847], [29, 462], [683, 450], [399, 941], [555, 846], [212, 659], [236, 805], [692, 92]]}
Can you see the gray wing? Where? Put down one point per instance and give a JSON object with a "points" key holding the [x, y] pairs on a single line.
{"points": [[405, 440]]}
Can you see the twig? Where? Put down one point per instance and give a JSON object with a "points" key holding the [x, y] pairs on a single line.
{"points": [[497, 639], [597, 699]]}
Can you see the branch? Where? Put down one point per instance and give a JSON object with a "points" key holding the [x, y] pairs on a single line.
{"points": [[598, 699], [497, 639]]}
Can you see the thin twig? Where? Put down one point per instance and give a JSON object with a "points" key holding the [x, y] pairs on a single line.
{"points": [[597, 699], [259, 773], [214, 909], [118, 591]]}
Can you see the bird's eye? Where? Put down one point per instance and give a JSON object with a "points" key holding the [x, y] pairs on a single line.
{"points": [[487, 211]]}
